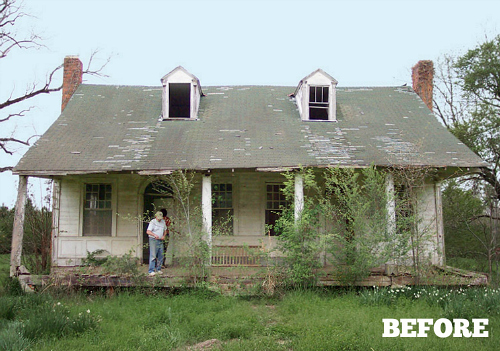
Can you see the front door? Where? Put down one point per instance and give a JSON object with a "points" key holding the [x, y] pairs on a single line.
{"points": [[153, 202]]}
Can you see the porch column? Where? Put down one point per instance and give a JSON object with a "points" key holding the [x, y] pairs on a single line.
{"points": [[56, 208], [441, 258], [206, 205], [299, 196], [18, 229], [390, 266], [391, 204]]}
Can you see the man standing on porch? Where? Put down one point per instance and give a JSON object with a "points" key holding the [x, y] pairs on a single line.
{"points": [[156, 231]]}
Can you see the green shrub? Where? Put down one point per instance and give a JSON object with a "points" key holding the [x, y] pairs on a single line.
{"points": [[11, 286], [126, 264], [92, 260]]}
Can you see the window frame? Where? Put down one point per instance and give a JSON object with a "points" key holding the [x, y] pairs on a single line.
{"points": [[316, 104], [223, 189], [281, 200], [83, 199], [170, 105]]}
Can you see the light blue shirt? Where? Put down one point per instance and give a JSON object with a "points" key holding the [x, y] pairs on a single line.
{"points": [[157, 227]]}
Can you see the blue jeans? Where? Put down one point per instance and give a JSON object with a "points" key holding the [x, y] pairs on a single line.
{"points": [[155, 254]]}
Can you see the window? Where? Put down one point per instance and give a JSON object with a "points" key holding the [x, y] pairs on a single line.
{"points": [[222, 208], [97, 211], [275, 202], [318, 103], [179, 95], [404, 210]]}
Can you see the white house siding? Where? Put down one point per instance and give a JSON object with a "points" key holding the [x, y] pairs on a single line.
{"points": [[70, 246], [249, 203]]}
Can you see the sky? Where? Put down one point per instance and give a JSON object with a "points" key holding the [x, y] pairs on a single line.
{"points": [[263, 42]]}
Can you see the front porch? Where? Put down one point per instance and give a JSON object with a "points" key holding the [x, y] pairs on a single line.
{"points": [[241, 279]]}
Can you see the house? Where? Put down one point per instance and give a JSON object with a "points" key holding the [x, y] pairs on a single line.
{"points": [[110, 140]]}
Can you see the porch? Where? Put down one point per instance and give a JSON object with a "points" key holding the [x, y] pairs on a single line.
{"points": [[242, 279]]}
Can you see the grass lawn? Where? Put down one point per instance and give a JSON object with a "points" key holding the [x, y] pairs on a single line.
{"points": [[298, 320]]}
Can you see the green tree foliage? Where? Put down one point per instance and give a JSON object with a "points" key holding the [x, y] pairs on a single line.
{"points": [[478, 74], [463, 217], [36, 240], [6, 223], [357, 203], [346, 222], [299, 238]]}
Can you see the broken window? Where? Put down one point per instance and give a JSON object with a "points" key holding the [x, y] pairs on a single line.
{"points": [[179, 97], [222, 208], [97, 211], [275, 203], [318, 103]]}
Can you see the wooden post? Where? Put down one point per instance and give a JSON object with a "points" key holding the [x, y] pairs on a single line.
{"points": [[441, 258], [206, 205], [18, 230], [299, 196], [56, 204]]}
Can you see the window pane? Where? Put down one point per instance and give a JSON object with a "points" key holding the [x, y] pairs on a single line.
{"points": [[325, 94], [312, 94], [97, 213], [318, 113]]}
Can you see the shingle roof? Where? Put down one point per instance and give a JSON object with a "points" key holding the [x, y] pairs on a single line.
{"points": [[118, 128]]}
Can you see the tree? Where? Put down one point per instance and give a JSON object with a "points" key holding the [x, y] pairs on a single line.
{"points": [[468, 104], [11, 40], [6, 223]]}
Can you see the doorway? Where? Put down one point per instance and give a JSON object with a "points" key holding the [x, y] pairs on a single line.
{"points": [[156, 197]]}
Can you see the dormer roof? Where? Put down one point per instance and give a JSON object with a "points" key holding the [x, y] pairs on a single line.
{"points": [[316, 97], [318, 71], [181, 94], [178, 69]]}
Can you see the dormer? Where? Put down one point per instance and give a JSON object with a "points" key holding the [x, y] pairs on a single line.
{"points": [[316, 97], [181, 95]]}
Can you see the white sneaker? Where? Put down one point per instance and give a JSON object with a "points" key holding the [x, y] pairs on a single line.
{"points": [[159, 272], [152, 274]]}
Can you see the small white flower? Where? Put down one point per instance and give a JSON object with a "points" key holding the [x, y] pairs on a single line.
{"points": [[88, 311]]}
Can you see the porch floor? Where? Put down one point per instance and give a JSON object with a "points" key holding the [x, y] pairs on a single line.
{"points": [[241, 278]]}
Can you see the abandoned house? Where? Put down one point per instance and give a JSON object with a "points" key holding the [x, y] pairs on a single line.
{"points": [[110, 140]]}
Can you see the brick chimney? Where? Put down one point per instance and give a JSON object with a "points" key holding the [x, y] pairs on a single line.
{"points": [[72, 78], [422, 75]]}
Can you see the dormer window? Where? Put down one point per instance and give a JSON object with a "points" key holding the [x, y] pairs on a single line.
{"points": [[318, 103], [316, 97], [181, 95]]}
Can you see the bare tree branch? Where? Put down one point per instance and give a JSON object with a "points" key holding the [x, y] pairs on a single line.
{"points": [[11, 14], [19, 114]]}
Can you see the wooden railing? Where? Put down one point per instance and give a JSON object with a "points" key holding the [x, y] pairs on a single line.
{"points": [[235, 256]]}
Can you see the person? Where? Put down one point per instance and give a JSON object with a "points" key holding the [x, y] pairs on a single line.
{"points": [[157, 229], [168, 222]]}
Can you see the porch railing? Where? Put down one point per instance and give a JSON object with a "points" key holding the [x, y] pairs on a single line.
{"points": [[225, 256]]}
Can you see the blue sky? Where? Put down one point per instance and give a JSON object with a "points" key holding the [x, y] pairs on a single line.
{"points": [[269, 42]]}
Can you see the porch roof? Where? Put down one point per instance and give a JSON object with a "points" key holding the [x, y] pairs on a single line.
{"points": [[119, 128]]}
